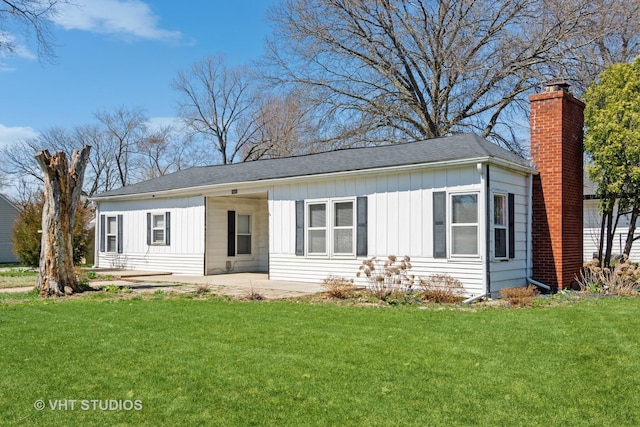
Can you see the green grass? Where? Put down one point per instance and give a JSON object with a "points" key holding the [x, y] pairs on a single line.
{"points": [[218, 362]]}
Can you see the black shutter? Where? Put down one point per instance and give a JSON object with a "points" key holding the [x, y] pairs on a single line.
{"points": [[231, 233], [102, 233], [512, 225], [440, 224], [149, 228], [361, 232], [167, 231], [299, 227], [119, 234]]}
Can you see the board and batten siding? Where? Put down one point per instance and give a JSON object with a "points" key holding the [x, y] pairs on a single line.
{"points": [[217, 258], [8, 216], [183, 255], [400, 222], [510, 272]]}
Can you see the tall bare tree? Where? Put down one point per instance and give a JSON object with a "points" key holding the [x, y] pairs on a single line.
{"points": [[29, 18], [62, 189], [125, 128], [284, 126], [214, 101], [415, 69]]}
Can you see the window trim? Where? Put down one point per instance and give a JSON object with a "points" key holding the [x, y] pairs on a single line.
{"points": [[163, 229], [504, 226], [308, 228], [238, 234], [335, 227], [452, 225], [113, 234], [330, 228]]}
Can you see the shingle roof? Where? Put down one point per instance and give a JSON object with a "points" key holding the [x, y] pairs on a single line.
{"points": [[458, 147]]}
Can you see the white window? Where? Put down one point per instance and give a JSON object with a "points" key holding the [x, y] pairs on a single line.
{"points": [[500, 225], [464, 224], [243, 235], [112, 233], [158, 229], [343, 229], [317, 228], [331, 228]]}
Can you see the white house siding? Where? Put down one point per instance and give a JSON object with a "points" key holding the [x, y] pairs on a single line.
{"points": [[400, 222], [8, 215], [184, 255], [591, 233], [217, 257], [511, 272]]}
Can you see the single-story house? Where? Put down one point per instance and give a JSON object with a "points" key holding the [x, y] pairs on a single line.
{"points": [[458, 205], [8, 215]]}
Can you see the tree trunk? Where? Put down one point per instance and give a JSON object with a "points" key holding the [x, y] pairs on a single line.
{"points": [[62, 188], [632, 231]]}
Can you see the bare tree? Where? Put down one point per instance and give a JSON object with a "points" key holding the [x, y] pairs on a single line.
{"points": [[165, 150], [62, 188], [414, 69], [284, 126], [214, 102], [30, 18], [125, 128]]}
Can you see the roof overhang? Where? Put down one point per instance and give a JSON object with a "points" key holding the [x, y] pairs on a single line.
{"points": [[242, 185]]}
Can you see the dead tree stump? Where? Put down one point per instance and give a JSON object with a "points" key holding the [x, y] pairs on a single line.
{"points": [[62, 189]]}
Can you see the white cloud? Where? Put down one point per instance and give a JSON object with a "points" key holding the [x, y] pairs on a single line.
{"points": [[11, 135], [17, 49], [119, 17]]}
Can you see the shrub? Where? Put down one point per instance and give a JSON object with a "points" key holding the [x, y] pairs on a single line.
{"points": [[623, 278], [385, 278], [519, 297], [26, 237], [252, 295], [441, 288], [202, 289], [338, 287]]}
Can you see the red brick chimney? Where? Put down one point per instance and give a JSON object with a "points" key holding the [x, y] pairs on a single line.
{"points": [[556, 149]]}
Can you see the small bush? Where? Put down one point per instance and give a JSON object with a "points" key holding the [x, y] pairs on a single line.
{"points": [[520, 297], [91, 275], [338, 287], [623, 278], [387, 277], [441, 288], [252, 295], [202, 289]]}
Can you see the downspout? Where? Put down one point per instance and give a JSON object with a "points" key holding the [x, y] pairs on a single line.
{"points": [[530, 237], [487, 232], [96, 238]]}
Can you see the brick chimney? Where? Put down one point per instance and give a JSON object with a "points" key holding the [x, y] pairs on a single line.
{"points": [[556, 149]]}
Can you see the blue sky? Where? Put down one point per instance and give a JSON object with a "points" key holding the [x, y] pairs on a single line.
{"points": [[113, 53]]}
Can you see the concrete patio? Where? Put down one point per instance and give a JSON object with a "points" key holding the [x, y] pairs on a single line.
{"points": [[236, 284]]}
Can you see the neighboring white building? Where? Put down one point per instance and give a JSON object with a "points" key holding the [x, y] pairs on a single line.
{"points": [[8, 214], [592, 223]]}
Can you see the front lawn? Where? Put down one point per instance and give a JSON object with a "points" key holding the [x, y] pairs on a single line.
{"points": [[219, 362]]}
